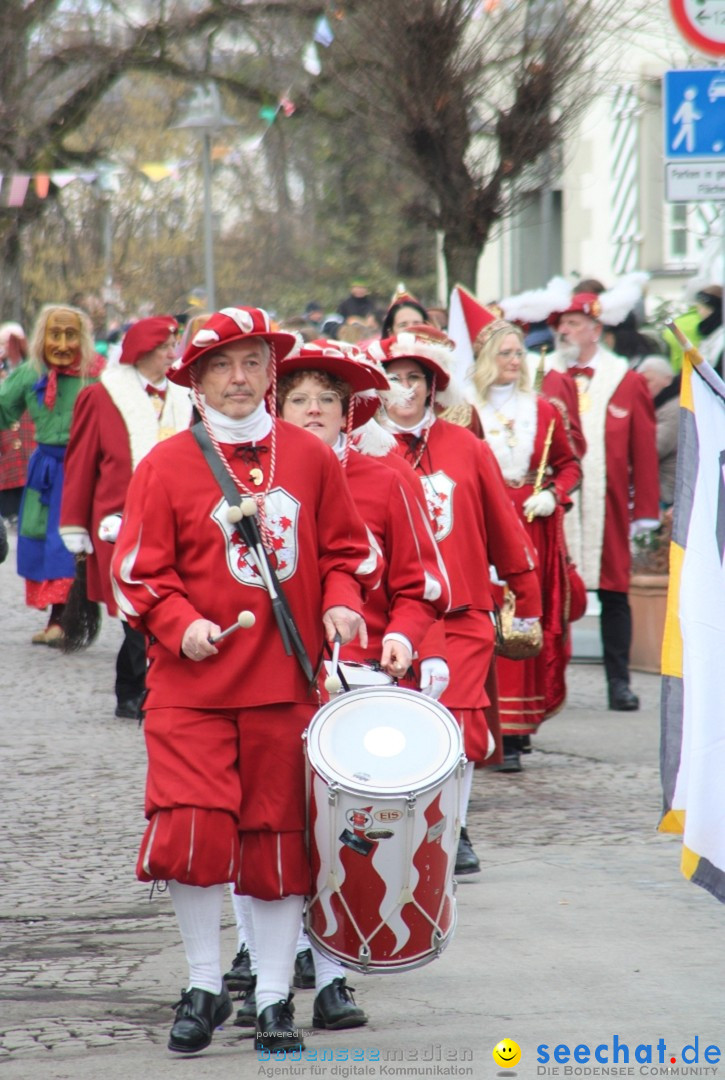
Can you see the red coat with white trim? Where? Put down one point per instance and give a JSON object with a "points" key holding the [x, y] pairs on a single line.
{"points": [[475, 522], [178, 559], [560, 390], [98, 465], [632, 474], [414, 589]]}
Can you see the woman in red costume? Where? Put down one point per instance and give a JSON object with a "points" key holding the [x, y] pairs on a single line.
{"points": [[526, 432], [475, 525]]}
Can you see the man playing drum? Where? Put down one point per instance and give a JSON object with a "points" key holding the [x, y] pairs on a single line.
{"points": [[225, 797]]}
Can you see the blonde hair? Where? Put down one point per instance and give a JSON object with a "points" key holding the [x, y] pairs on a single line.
{"points": [[485, 351], [37, 337]]}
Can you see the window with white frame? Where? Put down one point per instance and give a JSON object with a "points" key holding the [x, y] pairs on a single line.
{"points": [[688, 227]]}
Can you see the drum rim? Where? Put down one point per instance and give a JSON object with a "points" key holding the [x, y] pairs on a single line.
{"points": [[317, 765]]}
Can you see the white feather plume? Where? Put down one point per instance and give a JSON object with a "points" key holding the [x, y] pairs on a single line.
{"points": [[373, 440], [618, 301], [535, 305]]}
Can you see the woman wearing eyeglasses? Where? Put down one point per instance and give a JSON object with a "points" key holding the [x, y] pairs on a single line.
{"points": [[475, 525], [524, 429]]}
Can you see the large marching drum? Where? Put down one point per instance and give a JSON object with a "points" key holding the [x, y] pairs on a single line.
{"points": [[384, 770]]}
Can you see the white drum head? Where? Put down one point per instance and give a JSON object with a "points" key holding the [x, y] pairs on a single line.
{"points": [[385, 741]]}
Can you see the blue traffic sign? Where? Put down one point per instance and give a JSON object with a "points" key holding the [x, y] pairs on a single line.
{"points": [[694, 114]]}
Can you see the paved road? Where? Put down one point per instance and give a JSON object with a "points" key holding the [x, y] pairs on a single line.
{"points": [[579, 929]]}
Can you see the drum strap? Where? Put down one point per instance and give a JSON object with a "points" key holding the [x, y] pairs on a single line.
{"points": [[247, 529]]}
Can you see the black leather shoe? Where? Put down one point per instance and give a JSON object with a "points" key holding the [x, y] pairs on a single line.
{"points": [[466, 858], [621, 698], [511, 762], [239, 976], [304, 976], [247, 1013], [335, 1007], [276, 1028], [197, 1014]]}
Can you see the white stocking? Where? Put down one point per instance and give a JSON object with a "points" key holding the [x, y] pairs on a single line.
{"points": [[325, 969], [466, 785], [276, 926], [303, 942], [245, 931], [198, 913]]}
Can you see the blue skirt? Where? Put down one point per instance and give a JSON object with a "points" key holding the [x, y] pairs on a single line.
{"points": [[43, 558]]}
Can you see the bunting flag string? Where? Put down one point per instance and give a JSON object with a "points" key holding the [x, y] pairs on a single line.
{"points": [[14, 187]]}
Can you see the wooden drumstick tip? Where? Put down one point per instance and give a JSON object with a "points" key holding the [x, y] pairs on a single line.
{"points": [[248, 507], [234, 514], [333, 684], [246, 619]]}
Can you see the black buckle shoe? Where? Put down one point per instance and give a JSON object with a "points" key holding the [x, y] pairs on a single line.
{"points": [[276, 1030], [197, 1014], [239, 976], [466, 859], [335, 1007], [621, 698], [304, 976], [247, 1013]]}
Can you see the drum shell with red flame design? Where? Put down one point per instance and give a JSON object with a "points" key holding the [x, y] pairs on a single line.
{"points": [[384, 778]]}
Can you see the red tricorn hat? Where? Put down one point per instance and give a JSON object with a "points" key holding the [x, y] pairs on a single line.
{"points": [[580, 304], [432, 349], [351, 365], [146, 335], [224, 328]]}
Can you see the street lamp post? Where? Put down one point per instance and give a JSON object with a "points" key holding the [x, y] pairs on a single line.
{"points": [[204, 114]]}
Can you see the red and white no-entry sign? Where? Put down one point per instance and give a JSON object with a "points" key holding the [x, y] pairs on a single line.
{"points": [[701, 23]]}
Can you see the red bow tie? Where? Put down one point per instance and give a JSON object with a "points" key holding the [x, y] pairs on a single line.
{"points": [[586, 371], [154, 391]]}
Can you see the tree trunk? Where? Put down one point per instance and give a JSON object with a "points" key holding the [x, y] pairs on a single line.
{"points": [[461, 255], [11, 285]]}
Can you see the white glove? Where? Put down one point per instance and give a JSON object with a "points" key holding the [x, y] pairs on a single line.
{"points": [[522, 625], [434, 676], [77, 541], [109, 528], [542, 504], [642, 526]]}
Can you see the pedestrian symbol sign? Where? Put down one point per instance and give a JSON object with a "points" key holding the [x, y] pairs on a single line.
{"points": [[694, 135], [695, 114]]}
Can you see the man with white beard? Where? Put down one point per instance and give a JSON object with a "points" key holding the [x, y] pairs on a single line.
{"points": [[619, 497]]}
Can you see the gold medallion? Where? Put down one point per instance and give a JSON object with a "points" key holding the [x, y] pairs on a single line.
{"points": [[585, 402], [256, 476]]}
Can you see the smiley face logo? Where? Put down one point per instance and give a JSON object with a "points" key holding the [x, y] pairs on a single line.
{"points": [[507, 1053]]}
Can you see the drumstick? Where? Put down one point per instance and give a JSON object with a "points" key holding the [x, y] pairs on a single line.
{"points": [[333, 685], [244, 619]]}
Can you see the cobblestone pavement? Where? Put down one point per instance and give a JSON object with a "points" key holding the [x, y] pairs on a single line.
{"points": [[90, 967]]}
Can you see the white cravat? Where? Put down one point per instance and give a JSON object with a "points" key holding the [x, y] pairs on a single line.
{"points": [[427, 421], [253, 428]]}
